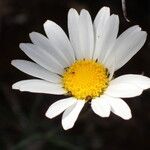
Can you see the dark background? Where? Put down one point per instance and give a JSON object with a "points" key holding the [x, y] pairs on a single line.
{"points": [[23, 125]]}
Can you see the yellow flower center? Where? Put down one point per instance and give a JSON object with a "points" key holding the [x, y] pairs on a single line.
{"points": [[85, 79]]}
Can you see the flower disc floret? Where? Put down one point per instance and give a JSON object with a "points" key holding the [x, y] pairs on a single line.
{"points": [[85, 79]]}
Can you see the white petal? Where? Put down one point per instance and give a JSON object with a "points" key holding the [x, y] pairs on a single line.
{"points": [[58, 37], [36, 70], [129, 31], [111, 37], [100, 23], [71, 114], [126, 48], [73, 28], [111, 68], [42, 58], [50, 47], [119, 107], [86, 34], [39, 86], [58, 107], [105, 39], [100, 106], [124, 90], [138, 80], [101, 18], [125, 35]]}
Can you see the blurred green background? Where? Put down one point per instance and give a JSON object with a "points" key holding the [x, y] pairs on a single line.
{"points": [[23, 125]]}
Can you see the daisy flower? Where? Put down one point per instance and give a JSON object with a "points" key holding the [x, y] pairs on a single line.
{"points": [[82, 67]]}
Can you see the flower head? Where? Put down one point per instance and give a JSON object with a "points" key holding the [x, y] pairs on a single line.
{"points": [[83, 66]]}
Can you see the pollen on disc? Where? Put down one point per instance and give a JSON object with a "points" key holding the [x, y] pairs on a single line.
{"points": [[85, 79]]}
